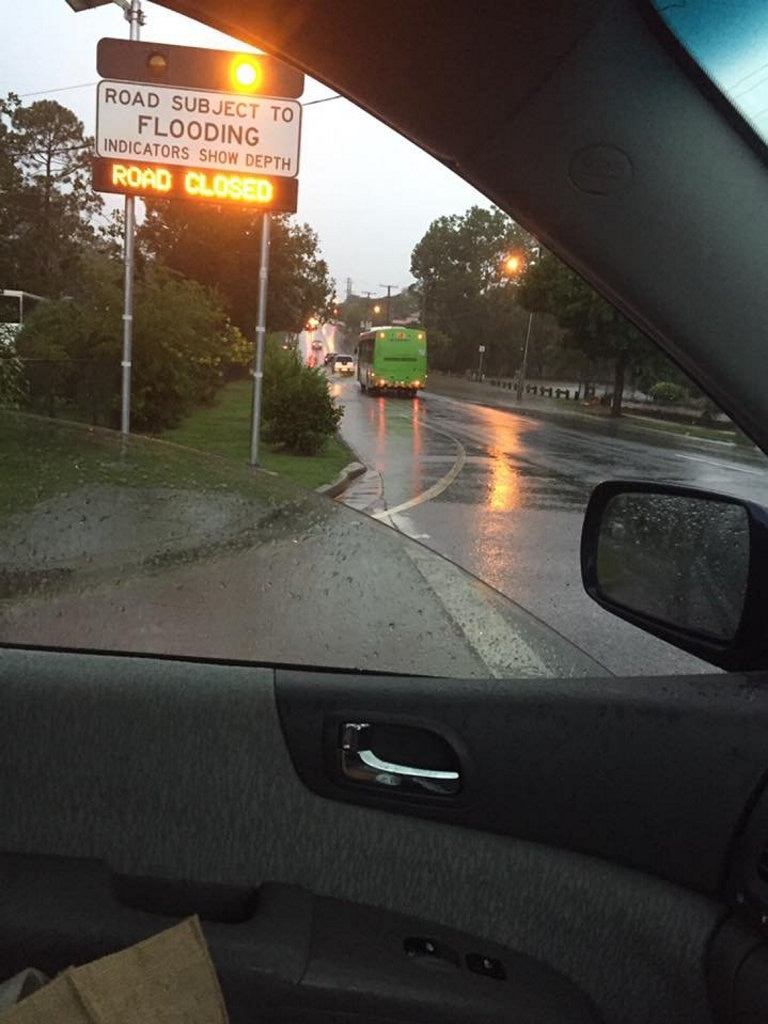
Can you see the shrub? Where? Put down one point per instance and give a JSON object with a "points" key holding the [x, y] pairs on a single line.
{"points": [[298, 411], [668, 393]]}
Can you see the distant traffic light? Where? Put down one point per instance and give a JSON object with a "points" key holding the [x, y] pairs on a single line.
{"points": [[194, 68]]}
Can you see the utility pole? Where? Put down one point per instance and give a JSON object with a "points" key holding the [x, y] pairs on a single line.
{"points": [[524, 368], [368, 318], [389, 288]]}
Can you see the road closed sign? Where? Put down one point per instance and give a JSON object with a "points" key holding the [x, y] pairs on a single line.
{"points": [[235, 133]]}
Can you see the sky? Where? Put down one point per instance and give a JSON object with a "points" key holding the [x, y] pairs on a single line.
{"points": [[366, 233]]}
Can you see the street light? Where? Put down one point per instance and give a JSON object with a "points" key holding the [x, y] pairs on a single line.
{"points": [[89, 5], [135, 18], [513, 265]]}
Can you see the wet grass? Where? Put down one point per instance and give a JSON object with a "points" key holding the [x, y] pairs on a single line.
{"points": [[42, 458], [726, 435], [225, 430]]}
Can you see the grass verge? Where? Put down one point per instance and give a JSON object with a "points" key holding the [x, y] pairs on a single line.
{"points": [[726, 435], [42, 458], [225, 430]]}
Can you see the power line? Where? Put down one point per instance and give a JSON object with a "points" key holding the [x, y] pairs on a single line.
{"points": [[63, 88], [89, 85], [326, 99]]}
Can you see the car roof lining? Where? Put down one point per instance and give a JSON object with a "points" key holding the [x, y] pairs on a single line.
{"points": [[332, 42]]}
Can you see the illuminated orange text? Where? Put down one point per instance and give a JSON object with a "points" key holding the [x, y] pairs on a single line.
{"points": [[197, 184], [228, 186], [148, 179]]}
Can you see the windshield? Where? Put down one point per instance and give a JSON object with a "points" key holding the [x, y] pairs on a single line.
{"points": [[411, 458], [730, 42]]}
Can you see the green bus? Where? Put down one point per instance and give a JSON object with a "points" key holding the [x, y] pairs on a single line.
{"points": [[392, 359]]}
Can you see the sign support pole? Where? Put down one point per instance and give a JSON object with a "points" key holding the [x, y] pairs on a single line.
{"points": [[133, 14], [261, 326]]}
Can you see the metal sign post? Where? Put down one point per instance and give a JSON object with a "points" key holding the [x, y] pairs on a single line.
{"points": [[261, 327], [134, 20]]}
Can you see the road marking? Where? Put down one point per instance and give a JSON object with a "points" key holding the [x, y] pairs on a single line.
{"points": [[498, 643], [434, 490], [721, 464]]}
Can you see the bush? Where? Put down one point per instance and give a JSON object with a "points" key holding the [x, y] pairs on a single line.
{"points": [[298, 411], [183, 349], [668, 393]]}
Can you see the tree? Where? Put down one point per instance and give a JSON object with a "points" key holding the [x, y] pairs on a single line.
{"points": [[183, 347], [46, 201], [591, 324], [219, 246], [466, 294], [10, 184]]}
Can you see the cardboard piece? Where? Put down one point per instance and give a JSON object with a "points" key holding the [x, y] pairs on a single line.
{"points": [[167, 979]]}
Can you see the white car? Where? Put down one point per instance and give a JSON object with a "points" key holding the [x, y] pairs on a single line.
{"points": [[343, 364]]}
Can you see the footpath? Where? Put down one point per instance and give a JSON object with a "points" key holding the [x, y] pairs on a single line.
{"points": [[564, 410]]}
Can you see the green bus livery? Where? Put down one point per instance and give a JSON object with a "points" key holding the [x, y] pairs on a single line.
{"points": [[392, 359]]}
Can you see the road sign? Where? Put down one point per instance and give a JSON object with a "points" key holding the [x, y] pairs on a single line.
{"points": [[481, 349], [188, 127], [146, 178], [197, 68]]}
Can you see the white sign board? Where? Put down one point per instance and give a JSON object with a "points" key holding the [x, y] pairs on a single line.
{"points": [[193, 128]]}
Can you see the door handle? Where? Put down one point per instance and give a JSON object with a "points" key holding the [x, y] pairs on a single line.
{"points": [[360, 764]]}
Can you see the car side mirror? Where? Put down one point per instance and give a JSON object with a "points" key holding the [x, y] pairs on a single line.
{"points": [[686, 565]]}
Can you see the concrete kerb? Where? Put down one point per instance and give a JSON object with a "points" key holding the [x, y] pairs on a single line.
{"points": [[343, 480]]}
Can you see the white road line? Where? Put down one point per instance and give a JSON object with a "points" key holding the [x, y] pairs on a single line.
{"points": [[721, 464], [496, 641], [434, 490]]}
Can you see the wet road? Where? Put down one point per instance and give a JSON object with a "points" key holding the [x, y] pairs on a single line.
{"points": [[503, 494]]}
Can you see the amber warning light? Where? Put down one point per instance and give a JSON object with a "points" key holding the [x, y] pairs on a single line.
{"points": [[194, 183]]}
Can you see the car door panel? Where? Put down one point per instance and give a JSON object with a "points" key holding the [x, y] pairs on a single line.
{"points": [[293, 956], [164, 769], [655, 777]]}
